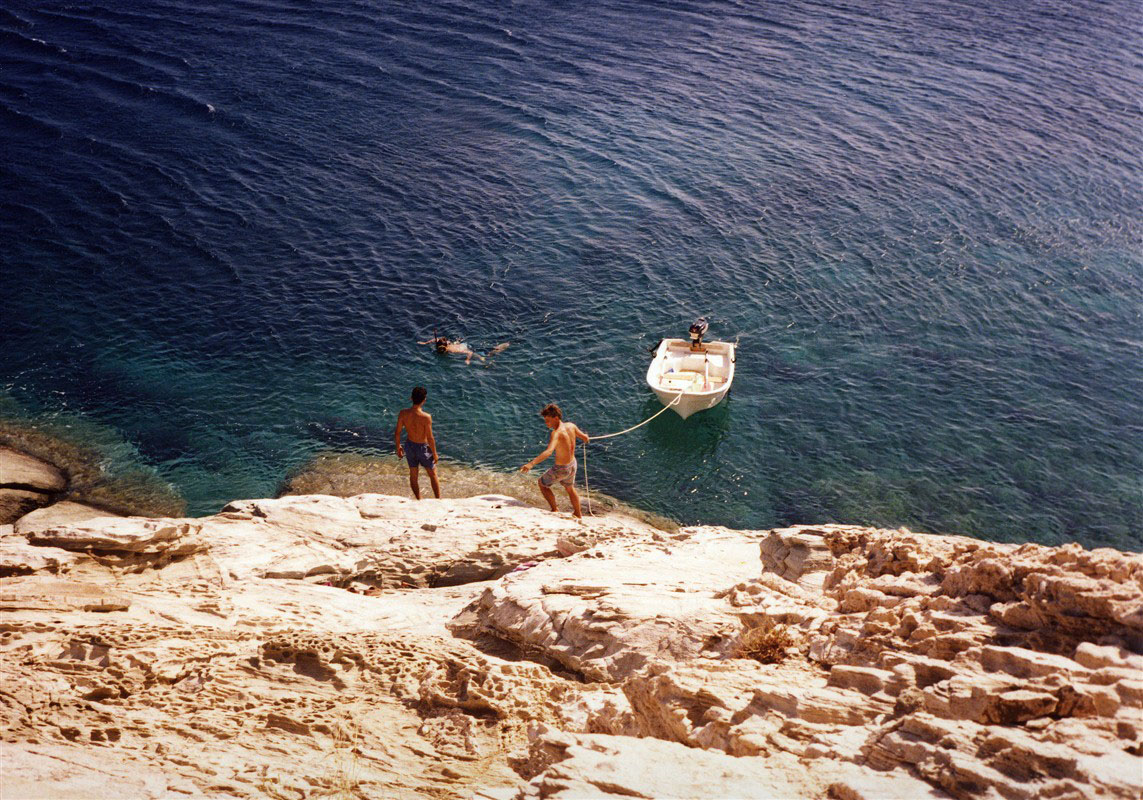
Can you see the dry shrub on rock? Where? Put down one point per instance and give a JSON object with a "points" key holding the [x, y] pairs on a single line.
{"points": [[766, 644]]}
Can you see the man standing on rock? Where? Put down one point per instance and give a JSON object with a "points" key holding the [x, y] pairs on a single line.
{"points": [[420, 448], [562, 443]]}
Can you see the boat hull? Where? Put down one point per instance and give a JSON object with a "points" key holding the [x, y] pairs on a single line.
{"points": [[689, 404], [703, 378]]}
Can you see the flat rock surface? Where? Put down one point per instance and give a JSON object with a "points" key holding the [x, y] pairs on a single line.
{"points": [[22, 471], [611, 610], [64, 512], [398, 541], [374, 646]]}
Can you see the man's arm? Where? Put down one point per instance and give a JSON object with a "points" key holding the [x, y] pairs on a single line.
{"points": [[547, 452], [397, 434], [432, 440], [581, 435]]}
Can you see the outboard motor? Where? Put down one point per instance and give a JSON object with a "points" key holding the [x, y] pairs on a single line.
{"points": [[698, 328]]}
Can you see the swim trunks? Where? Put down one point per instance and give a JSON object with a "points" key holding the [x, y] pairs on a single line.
{"points": [[564, 473], [418, 454]]}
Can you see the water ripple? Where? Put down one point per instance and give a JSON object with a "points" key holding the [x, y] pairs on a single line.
{"points": [[226, 228]]}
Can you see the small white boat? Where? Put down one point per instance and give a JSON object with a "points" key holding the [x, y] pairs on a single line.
{"points": [[699, 371]]}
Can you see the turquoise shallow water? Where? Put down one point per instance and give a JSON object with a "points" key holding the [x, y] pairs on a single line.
{"points": [[226, 227]]}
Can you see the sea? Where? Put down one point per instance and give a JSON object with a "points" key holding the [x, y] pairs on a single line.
{"points": [[225, 227]]}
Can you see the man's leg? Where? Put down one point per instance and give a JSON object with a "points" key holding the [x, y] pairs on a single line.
{"points": [[433, 480], [549, 495], [414, 482], [573, 495]]}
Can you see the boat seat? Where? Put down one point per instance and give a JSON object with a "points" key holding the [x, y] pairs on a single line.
{"points": [[696, 362], [682, 381]]}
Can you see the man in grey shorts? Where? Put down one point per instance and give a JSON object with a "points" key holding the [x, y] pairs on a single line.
{"points": [[562, 443]]}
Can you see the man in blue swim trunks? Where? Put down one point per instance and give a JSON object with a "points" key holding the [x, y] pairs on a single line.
{"points": [[420, 448], [562, 443]]}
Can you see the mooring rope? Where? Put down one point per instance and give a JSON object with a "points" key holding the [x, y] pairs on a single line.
{"points": [[586, 485]]}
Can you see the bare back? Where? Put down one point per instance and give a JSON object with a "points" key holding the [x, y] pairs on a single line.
{"points": [[418, 424], [564, 437]]}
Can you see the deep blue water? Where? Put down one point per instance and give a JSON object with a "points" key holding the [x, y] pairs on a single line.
{"points": [[225, 226]]}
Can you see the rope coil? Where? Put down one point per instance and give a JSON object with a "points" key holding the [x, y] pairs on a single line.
{"points": [[586, 485]]}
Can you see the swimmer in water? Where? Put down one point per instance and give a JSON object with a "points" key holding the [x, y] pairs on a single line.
{"points": [[444, 346]]}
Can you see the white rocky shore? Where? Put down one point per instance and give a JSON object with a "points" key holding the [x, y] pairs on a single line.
{"points": [[376, 647]]}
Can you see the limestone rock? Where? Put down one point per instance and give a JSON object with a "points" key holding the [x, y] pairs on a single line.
{"points": [[26, 483], [862, 783], [62, 513], [371, 646], [22, 471], [17, 557], [800, 555], [601, 766], [394, 540], [1024, 663], [15, 503], [1094, 656], [42, 593], [53, 772], [608, 617], [134, 535]]}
